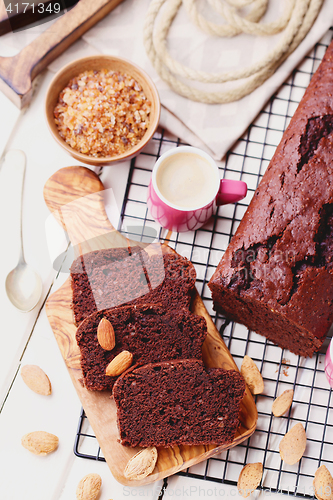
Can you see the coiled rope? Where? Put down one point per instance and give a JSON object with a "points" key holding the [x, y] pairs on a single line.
{"points": [[296, 21]]}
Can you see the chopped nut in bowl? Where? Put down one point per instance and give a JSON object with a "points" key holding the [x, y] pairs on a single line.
{"points": [[102, 109]]}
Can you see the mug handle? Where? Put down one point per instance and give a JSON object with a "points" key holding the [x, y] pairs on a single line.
{"points": [[231, 191]]}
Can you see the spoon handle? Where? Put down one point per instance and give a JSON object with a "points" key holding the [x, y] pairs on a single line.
{"points": [[16, 160]]}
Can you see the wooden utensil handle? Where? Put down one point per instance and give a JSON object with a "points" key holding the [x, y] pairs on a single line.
{"points": [[18, 72]]}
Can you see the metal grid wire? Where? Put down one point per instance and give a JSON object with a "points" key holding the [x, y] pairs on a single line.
{"points": [[281, 370]]}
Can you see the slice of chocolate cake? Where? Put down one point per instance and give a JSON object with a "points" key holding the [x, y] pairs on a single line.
{"points": [[110, 278], [178, 402], [149, 332]]}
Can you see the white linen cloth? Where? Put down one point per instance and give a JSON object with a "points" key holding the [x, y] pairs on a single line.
{"points": [[214, 127], [218, 126]]}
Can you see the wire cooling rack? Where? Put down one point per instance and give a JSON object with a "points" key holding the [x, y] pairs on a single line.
{"points": [[281, 370]]}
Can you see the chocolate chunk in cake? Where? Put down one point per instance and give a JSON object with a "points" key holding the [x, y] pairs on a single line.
{"points": [[149, 332], [178, 402]]}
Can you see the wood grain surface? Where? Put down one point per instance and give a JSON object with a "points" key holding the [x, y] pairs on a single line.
{"points": [[99, 407], [18, 72], [74, 195]]}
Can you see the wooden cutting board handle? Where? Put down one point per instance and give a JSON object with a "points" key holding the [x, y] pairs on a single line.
{"points": [[75, 197], [67, 185], [18, 72]]}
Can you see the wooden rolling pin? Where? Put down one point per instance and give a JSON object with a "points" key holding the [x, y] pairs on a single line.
{"points": [[18, 72]]}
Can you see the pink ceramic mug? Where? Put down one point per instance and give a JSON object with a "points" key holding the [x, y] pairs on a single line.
{"points": [[185, 189]]}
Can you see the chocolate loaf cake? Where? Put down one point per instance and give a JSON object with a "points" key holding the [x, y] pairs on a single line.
{"points": [[178, 402], [109, 278], [276, 276], [150, 332]]}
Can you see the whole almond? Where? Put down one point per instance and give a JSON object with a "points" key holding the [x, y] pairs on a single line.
{"points": [[40, 442], [142, 464], [282, 403], [293, 444], [252, 375], [89, 487], [119, 364], [105, 335], [36, 379], [323, 484], [249, 479]]}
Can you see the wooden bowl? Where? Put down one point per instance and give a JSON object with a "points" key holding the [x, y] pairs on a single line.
{"points": [[98, 62]]}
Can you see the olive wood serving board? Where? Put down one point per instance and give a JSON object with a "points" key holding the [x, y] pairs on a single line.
{"points": [[18, 72], [62, 188]]}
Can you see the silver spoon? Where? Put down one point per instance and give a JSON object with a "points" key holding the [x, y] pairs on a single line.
{"points": [[23, 284]]}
